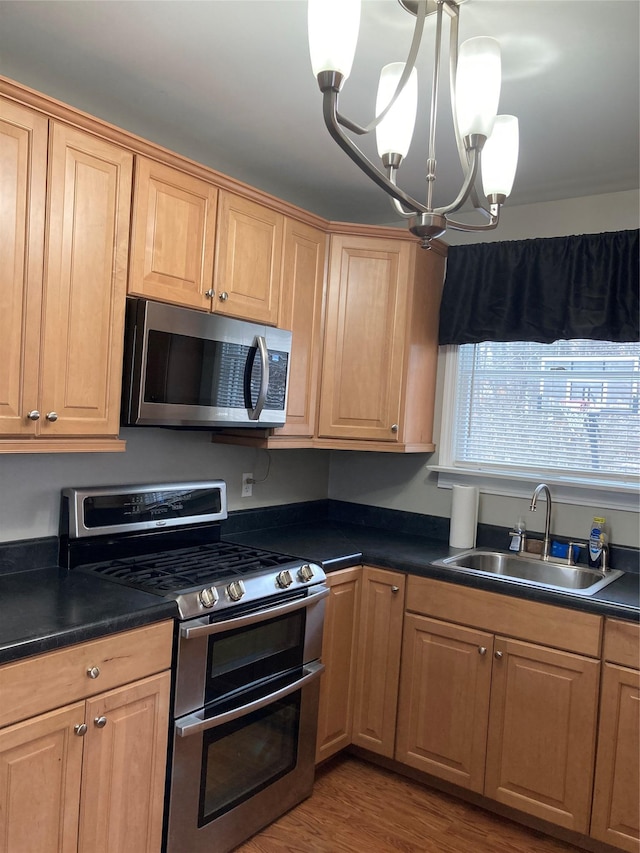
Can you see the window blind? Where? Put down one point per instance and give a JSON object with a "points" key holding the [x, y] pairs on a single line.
{"points": [[570, 406]]}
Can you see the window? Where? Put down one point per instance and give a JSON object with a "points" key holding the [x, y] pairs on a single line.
{"points": [[565, 412]]}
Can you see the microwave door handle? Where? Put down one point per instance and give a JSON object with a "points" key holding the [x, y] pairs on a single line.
{"points": [[196, 723], [256, 411]]}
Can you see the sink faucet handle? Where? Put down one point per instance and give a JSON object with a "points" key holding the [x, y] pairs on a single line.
{"points": [[572, 543]]}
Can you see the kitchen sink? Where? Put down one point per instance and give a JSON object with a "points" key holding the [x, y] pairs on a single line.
{"points": [[530, 570]]}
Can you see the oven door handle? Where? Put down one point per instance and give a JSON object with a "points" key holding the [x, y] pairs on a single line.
{"points": [[195, 723], [190, 633]]}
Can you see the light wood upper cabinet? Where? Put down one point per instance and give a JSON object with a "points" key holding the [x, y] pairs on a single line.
{"points": [[23, 177], [339, 645], [61, 349], [380, 343], [300, 311], [85, 284], [173, 236], [378, 660], [248, 261], [616, 815]]}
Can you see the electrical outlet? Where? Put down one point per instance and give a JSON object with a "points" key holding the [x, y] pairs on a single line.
{"points": [[247, 486]]}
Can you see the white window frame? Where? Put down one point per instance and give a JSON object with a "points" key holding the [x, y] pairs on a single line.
{"points": [[518, 484]]}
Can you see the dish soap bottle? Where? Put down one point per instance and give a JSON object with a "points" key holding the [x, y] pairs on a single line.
{"points": [[596, 542], [518, 537]]}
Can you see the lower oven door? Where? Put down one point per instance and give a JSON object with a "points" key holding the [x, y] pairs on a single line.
{"points": [[235, 772]]}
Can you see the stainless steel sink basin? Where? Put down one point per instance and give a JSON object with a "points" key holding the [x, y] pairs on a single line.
{"points": [[530, 570]]}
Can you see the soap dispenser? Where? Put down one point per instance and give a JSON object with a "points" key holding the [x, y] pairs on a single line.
{"points": [[518, 537]]}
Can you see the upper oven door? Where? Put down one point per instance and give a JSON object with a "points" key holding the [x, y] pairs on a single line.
{"points": [[187, 368], [219, 659]]}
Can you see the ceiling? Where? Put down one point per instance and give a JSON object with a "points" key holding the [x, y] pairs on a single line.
{"points": [[229, 84]]}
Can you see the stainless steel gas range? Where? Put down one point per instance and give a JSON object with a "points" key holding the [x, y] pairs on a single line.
{"points": [[247, 648]]}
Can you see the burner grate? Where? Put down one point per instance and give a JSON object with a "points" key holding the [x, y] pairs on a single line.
{"points": [[177, 571]]}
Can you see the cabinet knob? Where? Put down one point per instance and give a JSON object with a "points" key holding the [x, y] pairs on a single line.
{"points": [[223, 296], [497, 655], [482, 650], [210, 293], [394, 427], [80, 729], [34, 415], [100, 722], [52, 416], [94, 672], [395, 589]]}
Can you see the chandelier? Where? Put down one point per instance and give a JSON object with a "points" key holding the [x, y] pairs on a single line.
{"points": [[487, 143]]}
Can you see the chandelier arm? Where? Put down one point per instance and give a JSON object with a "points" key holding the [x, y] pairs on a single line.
{"points": [[494, 215], [409, 65], [399, 209], [329, 103], [467, 186]]}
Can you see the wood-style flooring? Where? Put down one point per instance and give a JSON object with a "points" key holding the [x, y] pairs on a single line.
{"points": [[357, 807]]}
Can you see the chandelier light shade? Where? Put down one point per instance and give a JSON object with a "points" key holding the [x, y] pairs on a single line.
{"points": [[478, 79], [333, 34], [487, 144], [393, 134], [500, 157]]}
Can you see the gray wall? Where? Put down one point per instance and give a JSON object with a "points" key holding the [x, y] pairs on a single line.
{"points": [[388, 480], [30, 484]]}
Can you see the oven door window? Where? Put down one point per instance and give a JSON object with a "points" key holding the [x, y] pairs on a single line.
{"points": [[242, 757], [252, 654]]}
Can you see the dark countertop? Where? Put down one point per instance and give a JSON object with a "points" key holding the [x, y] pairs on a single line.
{"points": [[46, 609], [337, 546]]}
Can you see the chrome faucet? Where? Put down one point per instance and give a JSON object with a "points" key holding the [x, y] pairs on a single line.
{"points": [[546, 544]]}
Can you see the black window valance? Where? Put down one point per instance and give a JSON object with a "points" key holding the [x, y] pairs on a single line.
{"points": [[545, 290]]}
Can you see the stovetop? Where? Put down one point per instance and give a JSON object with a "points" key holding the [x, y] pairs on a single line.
{"points": [[185, 568], [165, 539]]}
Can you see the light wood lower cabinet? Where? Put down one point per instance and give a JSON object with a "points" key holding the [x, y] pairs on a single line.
{"points": [[87, 777], [444, 700], [339, 645], [535, 707], [616, 810], [378, 660]]}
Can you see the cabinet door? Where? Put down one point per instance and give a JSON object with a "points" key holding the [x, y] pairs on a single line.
{"points": [[23, 176], [616, 816], [300, 311], [40, 771], [248, 264], [172, 236], [124, 765], [85, 284], [378, 667], [542, 727], [364, 339], [338, 655], [443, 708]]}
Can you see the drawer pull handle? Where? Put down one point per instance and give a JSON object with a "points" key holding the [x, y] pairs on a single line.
{"points": [[100, 722], [94, 672], [497, 655], [80, 729], [482, 650], [395, 589]]}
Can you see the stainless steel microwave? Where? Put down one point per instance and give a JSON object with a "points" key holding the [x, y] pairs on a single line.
{"points": [[184, 368]]}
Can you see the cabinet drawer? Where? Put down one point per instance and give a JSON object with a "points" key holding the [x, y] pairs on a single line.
{"points": [[38, 684], [622, 643], [546, 624]]}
